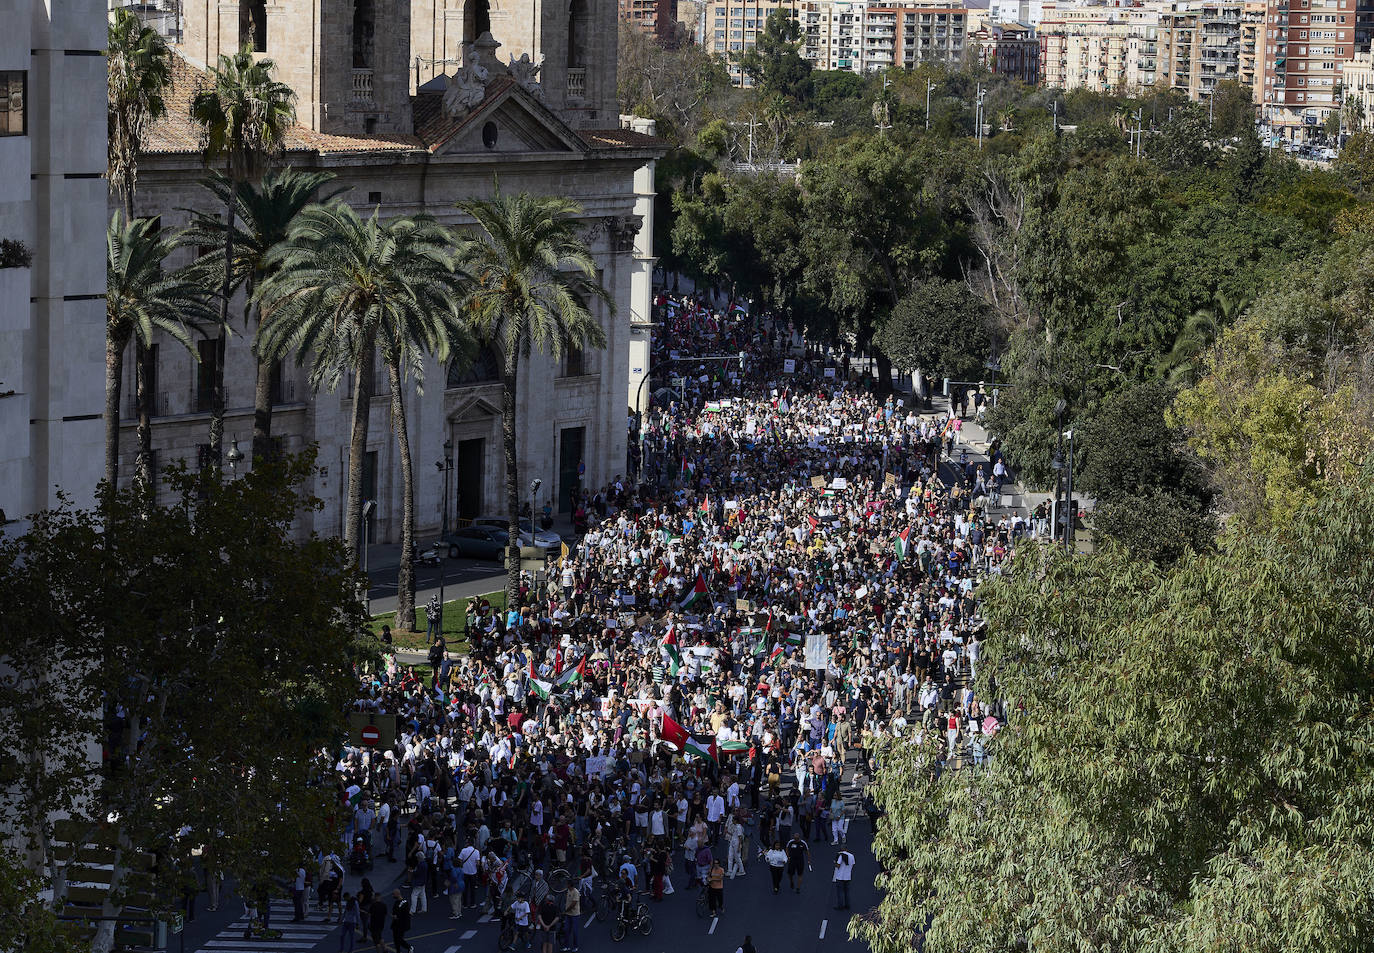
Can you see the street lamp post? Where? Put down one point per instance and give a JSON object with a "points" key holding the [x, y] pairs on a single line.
{"points": [[234, 456], [368, 506], [1058, 464], [445, 466], [535, 484], [1072, 513]]}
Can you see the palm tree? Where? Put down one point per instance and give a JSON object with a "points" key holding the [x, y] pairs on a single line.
{"points": [[339, 287], [266, 212], [533, 278], [243, 116], [1180, 366], [140, 73], [141, 299]]}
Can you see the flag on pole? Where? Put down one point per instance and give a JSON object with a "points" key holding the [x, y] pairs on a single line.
{"points": [[673, 734], [899, 545], [793, 638], [775, 655], [697, 592], [673, 651], [541, 688], [700, 746], [705, 506], [572, 675]]}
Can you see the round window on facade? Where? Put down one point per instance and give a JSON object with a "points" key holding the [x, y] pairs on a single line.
{"points": [[489, 134]]}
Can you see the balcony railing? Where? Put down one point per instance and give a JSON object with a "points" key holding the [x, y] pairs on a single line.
{"points": [[362, 86], [577, 83]]}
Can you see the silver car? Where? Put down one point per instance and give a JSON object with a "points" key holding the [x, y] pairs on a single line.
{"points": [[542, 539]]}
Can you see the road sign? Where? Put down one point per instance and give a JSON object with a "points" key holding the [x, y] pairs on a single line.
{"points": [[178, 923], [371, 730]]}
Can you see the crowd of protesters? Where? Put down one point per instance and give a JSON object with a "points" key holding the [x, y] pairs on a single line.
{"points": [[786, 576]]}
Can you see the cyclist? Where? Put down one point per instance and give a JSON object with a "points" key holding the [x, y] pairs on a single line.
{"points": [[520, 913]]}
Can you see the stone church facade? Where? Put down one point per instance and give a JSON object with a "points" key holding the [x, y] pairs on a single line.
{"points": [[415, 105]]}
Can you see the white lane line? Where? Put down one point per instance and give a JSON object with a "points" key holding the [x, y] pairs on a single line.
{"points": [[485, 918], [290, 927], [714, 921], [256, 945], [589, 921], [468, 935], [823, 923], [452, 949]]}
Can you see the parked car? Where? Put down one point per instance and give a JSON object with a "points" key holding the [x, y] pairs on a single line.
{"points": [[477, 542], [544, 539]]}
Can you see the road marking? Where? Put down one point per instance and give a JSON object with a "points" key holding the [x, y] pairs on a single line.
{"points": [[468, 935], [256, 945], [714, 921], [589, 921], [485, 918], [823, 923], [452, 949]]}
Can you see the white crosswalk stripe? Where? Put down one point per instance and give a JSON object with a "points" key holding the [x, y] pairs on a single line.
{"points": [[289, 937]]}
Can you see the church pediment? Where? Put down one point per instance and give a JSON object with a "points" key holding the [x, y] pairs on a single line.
{"points": [[509, 120], [487, 106], [473, 407]]}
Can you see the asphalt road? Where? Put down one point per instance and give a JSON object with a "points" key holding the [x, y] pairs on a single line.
{"points": [[784, 923], [461, 578]]}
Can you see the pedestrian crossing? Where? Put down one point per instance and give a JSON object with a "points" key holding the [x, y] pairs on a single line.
{"points": [[288, 937]]}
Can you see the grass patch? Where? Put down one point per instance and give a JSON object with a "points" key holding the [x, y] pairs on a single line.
{"points": [[455, 619]]}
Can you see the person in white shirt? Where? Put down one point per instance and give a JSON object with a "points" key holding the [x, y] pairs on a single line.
{"points": [[844, 873], [715, 810]]}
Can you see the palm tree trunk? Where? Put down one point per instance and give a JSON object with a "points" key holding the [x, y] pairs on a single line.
{"points": [[115, 346], [217, 400], [508, 379], [262, 396], [143, 358], [357, 453], [405, 573]]}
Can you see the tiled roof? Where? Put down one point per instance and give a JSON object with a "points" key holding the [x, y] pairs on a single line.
{"points": [[434, 126], [175, 133], [621, 139]]}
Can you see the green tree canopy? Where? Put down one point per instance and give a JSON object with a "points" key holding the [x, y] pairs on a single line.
{"points": [[206, 650], [939, 327], [1189, 766], [775, 63]]}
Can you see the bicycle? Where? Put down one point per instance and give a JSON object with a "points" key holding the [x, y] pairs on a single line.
{"points": [[704, 904], [637, 918]]}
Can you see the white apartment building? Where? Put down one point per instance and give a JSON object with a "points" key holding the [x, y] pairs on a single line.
{"points": [[53, 203]]}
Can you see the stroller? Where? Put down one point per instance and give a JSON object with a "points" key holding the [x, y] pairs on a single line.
{"points": [[360, 857]]}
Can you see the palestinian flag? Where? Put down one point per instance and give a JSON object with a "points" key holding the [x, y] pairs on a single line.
{"points": [[486, 680], [571, 676], [673, 734], [712, 407], [814, 522], [673, 650], [701, 746], [687, 468], [541, 688], [669, 537], [733, 747], [899, 544], [793, 638], [697, 592], [705, 506], [775, 655]]}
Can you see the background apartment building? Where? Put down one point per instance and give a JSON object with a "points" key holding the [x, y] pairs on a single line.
{"points": [[1357, 83], [845, 35], [654, 17], [1305, 46]]}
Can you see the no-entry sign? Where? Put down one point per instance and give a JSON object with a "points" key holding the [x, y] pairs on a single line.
{"points": [[370, 729]]}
